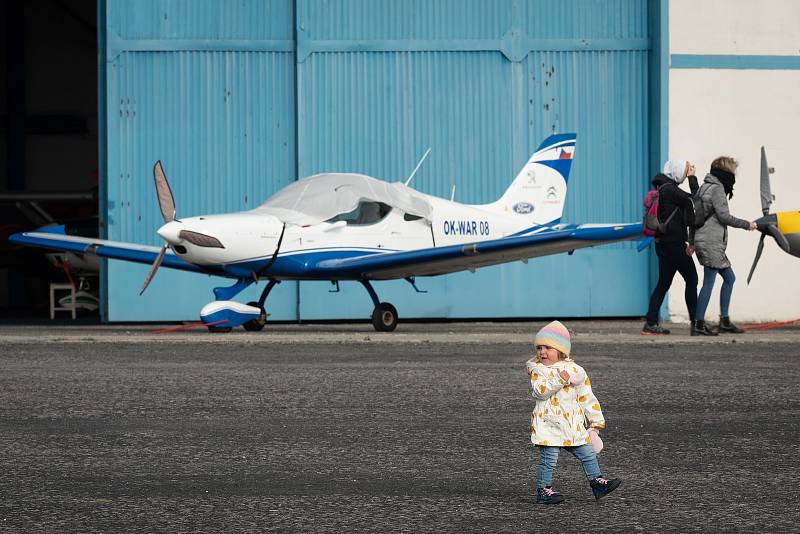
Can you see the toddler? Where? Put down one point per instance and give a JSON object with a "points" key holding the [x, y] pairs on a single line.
{"points": [[565, 405]]}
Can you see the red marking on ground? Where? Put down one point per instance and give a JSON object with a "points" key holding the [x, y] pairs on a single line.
{"points": [[768, 326], [187, 326]]}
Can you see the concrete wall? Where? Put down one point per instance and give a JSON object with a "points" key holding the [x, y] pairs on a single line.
{"points": [[732, 106]]}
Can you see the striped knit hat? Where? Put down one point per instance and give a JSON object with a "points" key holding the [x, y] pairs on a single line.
{"points": [[554, 335]]}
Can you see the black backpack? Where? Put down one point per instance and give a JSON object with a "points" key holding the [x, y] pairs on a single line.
{"points": [[700, 210]]}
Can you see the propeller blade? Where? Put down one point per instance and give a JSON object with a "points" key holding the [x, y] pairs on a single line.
{"points": [[154, 268], [165, 200], [766, 193], [780, 239], [759, 250]]}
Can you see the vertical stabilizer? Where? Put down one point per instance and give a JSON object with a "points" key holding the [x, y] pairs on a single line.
{"points": [[536, 196]]}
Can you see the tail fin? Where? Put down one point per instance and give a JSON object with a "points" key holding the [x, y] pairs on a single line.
{"points": [[537, 194]]}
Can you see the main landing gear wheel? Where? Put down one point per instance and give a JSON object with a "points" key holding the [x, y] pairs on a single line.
{"points": [[255, 325], [384, 317]]}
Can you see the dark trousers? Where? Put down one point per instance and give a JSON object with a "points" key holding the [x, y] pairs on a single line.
{"points": [[672, 257]]}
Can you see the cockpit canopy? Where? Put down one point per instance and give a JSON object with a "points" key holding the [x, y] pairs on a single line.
{"points": [[354, 198], [367, 212]]}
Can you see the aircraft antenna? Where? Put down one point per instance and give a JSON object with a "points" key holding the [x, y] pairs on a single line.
{"points": [[453, 193], [411, 176]]}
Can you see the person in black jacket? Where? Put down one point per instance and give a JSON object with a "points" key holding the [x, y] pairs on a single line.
{"points": [[675, 245]]}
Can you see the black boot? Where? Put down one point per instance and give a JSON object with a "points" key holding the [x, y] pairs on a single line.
{"points": [[727, 327], [700, 328], [603, 486], [549, 496]]}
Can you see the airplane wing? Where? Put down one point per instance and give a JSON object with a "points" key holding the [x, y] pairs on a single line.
{"points": [[54, 238], [385, 266], [453, 258]]}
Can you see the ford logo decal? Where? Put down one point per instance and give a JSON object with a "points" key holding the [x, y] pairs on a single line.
{"points": [[523, 207]]}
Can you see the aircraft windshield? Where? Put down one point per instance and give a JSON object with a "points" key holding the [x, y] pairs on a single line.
{"points": [[331, 197]]}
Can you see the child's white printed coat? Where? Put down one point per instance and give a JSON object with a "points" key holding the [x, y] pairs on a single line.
{"points": [[562, 410]]}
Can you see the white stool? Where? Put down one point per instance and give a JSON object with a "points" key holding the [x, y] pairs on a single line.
{"points": [[53, 302]]}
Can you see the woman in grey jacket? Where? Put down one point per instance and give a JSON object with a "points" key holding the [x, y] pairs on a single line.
{"points": [[711, 240]]}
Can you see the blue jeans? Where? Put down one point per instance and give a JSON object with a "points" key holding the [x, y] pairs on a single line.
{"points": [[709, 276], [548, 456]]}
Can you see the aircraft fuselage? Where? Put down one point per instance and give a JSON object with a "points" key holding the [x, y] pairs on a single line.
{"points": [[249, 240]]}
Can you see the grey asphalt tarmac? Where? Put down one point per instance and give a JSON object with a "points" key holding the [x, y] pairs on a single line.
{"points": [[336, 428]]}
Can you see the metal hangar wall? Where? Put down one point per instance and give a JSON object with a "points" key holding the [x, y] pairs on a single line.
{"points": [[239, 98]]}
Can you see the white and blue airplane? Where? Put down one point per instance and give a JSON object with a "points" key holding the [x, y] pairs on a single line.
{"points": [[339, 227]]}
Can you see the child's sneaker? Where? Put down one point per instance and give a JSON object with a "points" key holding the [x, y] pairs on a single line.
{"points": [[548, 496], [603, 486]]}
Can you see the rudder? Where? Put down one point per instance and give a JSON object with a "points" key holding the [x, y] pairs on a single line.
{"points": [[537, 193]]}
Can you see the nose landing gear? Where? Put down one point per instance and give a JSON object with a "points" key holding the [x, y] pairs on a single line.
{"points": [[257, 324], [227, 314]]}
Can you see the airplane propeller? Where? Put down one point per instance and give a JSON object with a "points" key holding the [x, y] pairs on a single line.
{"points": [[768, 224], [154, 268], [165, 199], [166, 202]]}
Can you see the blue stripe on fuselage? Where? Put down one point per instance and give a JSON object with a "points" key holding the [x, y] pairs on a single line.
{"points": [[297, 264], [320, 265]]}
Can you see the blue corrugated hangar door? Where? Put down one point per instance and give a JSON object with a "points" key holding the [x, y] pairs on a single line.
{"points": [[482, 83], [240, 98], [209, 89]]}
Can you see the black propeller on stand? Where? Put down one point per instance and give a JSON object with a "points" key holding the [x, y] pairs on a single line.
{"points": [[167, 204], [768, 224]]}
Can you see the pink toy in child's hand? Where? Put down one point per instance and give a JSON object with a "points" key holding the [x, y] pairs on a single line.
{"points": [[595, 441], [577, 378]]}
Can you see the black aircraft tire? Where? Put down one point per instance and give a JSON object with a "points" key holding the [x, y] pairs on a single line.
{"points": [[219, 329], [384, 317], [256, 325]]}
